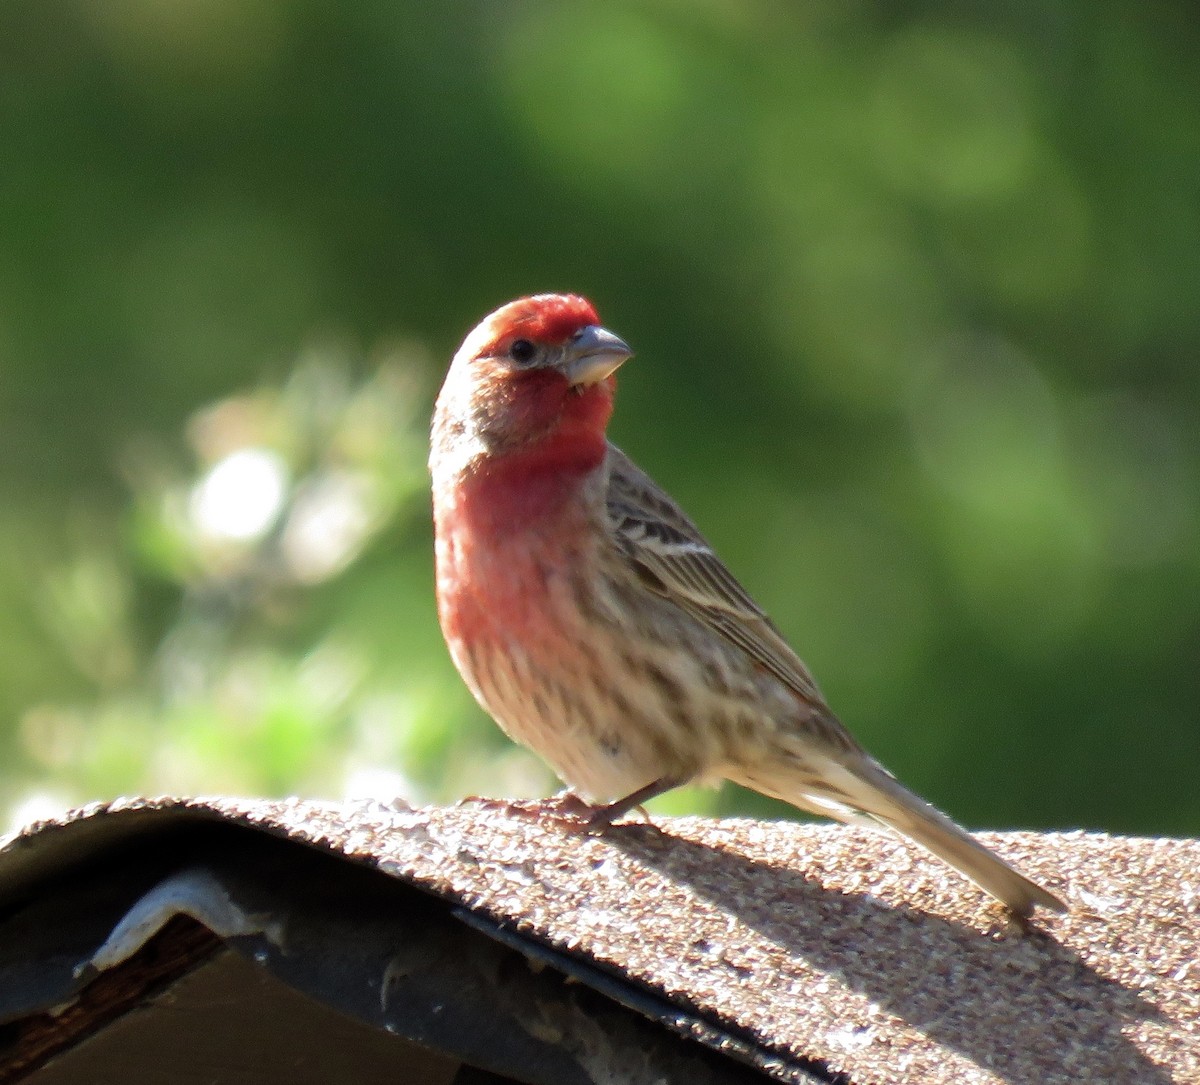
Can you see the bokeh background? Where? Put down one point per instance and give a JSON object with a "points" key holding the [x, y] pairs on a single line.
{"points": [[914, 290]]}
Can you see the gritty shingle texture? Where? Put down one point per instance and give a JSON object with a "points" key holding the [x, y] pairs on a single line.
{"points": [[835, 947]]}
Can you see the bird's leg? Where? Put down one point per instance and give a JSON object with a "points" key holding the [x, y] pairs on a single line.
{"points": [[601, 818]]}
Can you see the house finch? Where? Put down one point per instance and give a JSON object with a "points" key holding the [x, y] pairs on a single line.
{"points": [[592, 620]]}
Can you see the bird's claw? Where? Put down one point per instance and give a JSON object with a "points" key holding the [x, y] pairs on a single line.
{"points": [[566, 809]]}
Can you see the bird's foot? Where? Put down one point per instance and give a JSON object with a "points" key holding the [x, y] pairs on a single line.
{"points": [[566, 808]]}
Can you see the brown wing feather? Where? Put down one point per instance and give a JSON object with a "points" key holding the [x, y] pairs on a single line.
{"points": [[675, 560]]}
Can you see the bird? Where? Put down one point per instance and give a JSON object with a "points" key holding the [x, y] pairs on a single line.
{"points": [[590, 618]]}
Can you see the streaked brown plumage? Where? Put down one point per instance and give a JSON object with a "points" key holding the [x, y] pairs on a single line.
{"points": [[592, 620]]}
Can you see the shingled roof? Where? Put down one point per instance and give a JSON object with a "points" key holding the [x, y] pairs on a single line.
{"points": [[688, 949]]}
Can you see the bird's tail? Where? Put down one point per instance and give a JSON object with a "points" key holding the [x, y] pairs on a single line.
{"points": [[866, 788]]}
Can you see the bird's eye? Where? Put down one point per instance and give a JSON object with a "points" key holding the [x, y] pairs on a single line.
{"points": [[522, 351]]}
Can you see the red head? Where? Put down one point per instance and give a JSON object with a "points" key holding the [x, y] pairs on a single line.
{"points": [[545, 319], [535, 374]]}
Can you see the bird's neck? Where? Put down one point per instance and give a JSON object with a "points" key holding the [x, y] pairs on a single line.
{"points": [[526, 488], [526, 462], [508, 525]]}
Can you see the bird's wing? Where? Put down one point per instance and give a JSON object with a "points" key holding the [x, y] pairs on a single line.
{"points": [[674, 560]]}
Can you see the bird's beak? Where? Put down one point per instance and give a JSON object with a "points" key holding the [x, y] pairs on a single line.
{"points": [[592, 354]]}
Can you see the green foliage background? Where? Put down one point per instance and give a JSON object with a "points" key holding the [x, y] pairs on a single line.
{"points": [[914, 293]]}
